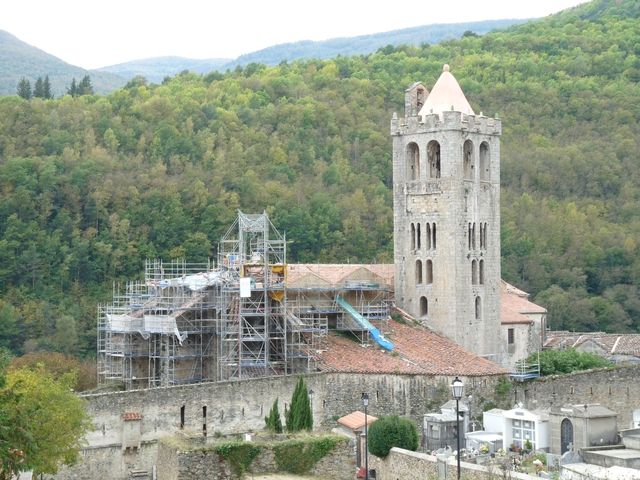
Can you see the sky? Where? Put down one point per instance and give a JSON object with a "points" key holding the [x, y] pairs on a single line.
{"points": [[95, 34]]}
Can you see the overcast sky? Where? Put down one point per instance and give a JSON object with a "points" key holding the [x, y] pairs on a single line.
{"points": [[96, 34]]}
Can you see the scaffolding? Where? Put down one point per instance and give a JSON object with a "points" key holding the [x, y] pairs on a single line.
{"points": [[190, 323], [159, 331], [253, 331]]}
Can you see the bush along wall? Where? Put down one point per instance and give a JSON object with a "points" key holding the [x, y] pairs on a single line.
{"points": [[234, 459], [300, 455]]}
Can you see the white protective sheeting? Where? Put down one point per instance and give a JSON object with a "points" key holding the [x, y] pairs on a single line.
{"points": [[195, 282], [124, 323], [144, 325], [245, 287], [162, 324]]}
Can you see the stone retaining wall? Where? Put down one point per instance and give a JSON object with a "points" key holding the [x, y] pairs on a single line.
{"points": [[617, 389], [187, 464], [240, 406], [403, 464]]}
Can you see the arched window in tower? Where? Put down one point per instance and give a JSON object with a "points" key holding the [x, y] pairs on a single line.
{"points": [[484, 233], [467, 160], [413, 162], [433, 236], [473, 235], [418, 272], [481, 272], [481, 236], [478, 308], [413, 236], [433, 157], [418, 235], [474, 272], [485, 162], [419, 98], [427, 235], [424, 306], [428, 267]]}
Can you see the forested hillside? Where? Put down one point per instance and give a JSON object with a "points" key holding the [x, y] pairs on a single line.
{"points": [[20, 60], [91, 186]]}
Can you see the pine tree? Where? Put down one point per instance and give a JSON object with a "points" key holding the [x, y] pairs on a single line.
{"points": [[38, 89], [47, 88], [73, 88], [24, 88], [85, 87], [299, 416], [272, 421]]}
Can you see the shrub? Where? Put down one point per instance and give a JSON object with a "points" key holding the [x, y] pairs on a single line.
{"points": [[392, 431], [272, 421], [299, 455], [566, 361], [240, 455]]}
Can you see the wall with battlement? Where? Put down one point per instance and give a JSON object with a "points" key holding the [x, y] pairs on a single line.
{"points": [[239, 407]]}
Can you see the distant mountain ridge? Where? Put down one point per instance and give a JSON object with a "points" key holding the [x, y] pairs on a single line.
{"points": [[19, 59], [155, 69], [363, 44]]}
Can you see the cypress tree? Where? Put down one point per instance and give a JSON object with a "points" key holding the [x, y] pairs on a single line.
{"points": [[272, 421], [47, 88], [38, 89], [85, 87], [73, 88], [299, 416], [24, 88]]}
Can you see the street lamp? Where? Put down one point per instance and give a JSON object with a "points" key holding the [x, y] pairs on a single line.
{"points": [[365, 402], [457, 390]]}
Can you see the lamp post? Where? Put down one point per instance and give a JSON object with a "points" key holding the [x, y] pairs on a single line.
{"points": [[365, 402], [457, 390]]}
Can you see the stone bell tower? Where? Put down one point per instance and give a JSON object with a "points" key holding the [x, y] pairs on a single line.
{"points": [[446, 201]]}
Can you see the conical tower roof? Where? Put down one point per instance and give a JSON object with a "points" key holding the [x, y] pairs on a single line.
{"points": [[446, 95]]}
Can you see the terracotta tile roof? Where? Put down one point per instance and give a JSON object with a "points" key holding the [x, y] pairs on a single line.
{"points": [[417, 350], [515, 305], [355, 420], [628, 344], [337, 274], [612, 343], [129, 416]]}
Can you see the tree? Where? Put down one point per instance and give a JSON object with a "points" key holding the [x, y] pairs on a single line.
{"points": [[272, 421], [85, 87], [73, 88], [58, 365], [47, 88], [392, 431], [38, 89], [299, 416], [24, 88], [46, 420]]}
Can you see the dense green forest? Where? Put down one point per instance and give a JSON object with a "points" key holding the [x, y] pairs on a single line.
{"points": [[93, 185]]}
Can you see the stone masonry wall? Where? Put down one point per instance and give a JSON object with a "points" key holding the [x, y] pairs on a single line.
{"points": [[617, 389], [406, 465], [189, 464], [239, 407]]}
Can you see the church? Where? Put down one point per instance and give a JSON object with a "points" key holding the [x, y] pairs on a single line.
{"points": [[253, 314], [446, 203]]}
